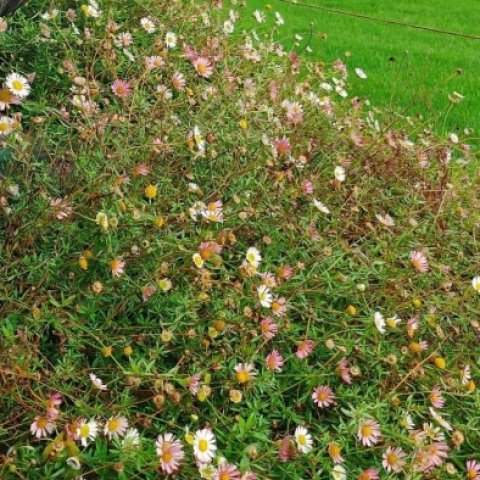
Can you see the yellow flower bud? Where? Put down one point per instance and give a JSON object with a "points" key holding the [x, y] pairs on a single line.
{"points": [[150, 191], [351, 310], [243, 124], [83, 263], [416, 302], [107, 351], [128, 350], [37, 313], [440, 362]]}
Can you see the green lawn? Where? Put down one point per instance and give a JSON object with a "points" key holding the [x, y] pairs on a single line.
{"points": [[408, 69]]}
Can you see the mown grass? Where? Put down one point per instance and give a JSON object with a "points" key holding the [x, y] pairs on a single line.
{"points": [[409, 70]]}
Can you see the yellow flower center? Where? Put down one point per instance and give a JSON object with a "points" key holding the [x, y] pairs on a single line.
{"points": [[302, 440], [322, 395], [5, 96], [392, 458], [203, 445], [334, 450], [17, 85], [84, 430], [201, 68], [224, 476], [367, 430], [3, 127], [243, 376], [167, 456], [113, 425], [42, 422]]}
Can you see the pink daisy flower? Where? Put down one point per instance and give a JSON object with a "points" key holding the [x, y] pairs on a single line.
{"points": [[42, 426], [305, 348], [436, 398], [279, 306], [323, 396], [369, 433], [203, 67], [393, 459], [269, 328], [307, 187], [178, 81], [274, 361], [194, 383], [121, 88], [141, 170], [117, 267], [419, 261], [282, 147], [285, 273], [335, 452], [344, 371], [369, 474], [437, 452], [227, 471], [170, 452], [473, 470], [52, 403]]}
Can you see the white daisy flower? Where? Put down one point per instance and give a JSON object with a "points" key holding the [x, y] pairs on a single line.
{"points": [[253, 256], [148, 25], [115, 427], [18, 85], [264, 296], [475, 281], [379, 322], [5, 126], [303, 439], [339, 173], [170, 40], [87, 431], [204, 445], [97, 382]]}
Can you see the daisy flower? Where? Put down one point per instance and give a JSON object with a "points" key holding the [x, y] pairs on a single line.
{"points": [[320, 206], [307, 187], [334, 450], [178, 81], [439, 419], [7, 98], [436, 452], [476, 284], [303, 439], [286, 451], [147, 24], [18, 85], [279, 306], [305, 348], [87, 431], [194, 383], [264, 296], [42, 426], [436, 398], [344, 371], [117, 267], [52, 403], [228, 27], [282, 147], [131, 439], [97, 382], [5, 126], [245, 372], [115, 427], [473, 470], [268, 328], [323, 396], [3, 25], [198, 260], [339, 472], [154, 61], [379, 322], [170, 40], [204, 445], [203, 67], [339, 173], [419, 261], [274, 361], [170, 452], [369, 433], [253, 256], [62, 208], [121, 88], [369, 474], [227, 471], [393, 459]]}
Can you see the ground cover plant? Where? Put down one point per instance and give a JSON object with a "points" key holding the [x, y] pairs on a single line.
{"points": [[218, 262], [411, 71]]}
